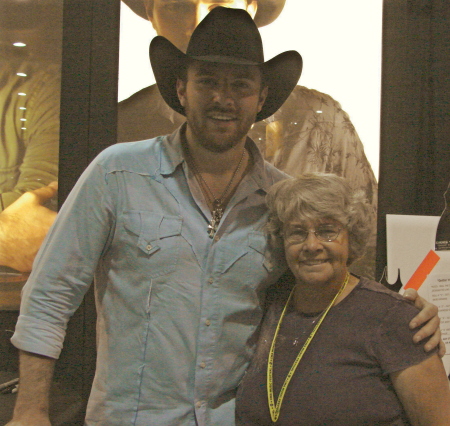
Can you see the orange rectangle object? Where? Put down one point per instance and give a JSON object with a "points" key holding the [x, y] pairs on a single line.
{"points": [[421, 273]]}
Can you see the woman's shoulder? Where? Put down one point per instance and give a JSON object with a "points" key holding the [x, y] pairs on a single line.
{"points": [[378, 296], [378, 288]]}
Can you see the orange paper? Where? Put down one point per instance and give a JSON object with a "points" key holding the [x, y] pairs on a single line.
{"points": [[421, 273]]}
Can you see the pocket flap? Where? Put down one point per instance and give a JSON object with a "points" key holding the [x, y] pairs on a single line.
{"points": [[170, 226], [257, 241], [151, 227]]}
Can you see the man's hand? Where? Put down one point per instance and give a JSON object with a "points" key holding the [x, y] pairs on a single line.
{"points": [[23, 226], [428, 316]]}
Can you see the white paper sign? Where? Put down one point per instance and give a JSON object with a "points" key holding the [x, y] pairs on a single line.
{"points": [[409, 240], [439, 294]]}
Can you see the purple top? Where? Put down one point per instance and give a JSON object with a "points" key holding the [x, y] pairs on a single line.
{"points": [[343, 378]]}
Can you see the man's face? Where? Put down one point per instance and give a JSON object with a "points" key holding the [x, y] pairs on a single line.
{"points": [[221, 102], [177, 19]]}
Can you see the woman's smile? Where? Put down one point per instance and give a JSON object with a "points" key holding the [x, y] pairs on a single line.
{"points": [[312, 260]]}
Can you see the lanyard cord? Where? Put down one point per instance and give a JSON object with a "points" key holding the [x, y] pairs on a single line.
{"points": [[275, 409]]}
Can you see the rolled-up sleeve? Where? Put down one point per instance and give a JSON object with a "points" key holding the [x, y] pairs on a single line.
{"points": [[64, 268]]}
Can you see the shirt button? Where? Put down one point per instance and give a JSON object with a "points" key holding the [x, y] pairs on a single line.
{"points": [[149, 247], [210, 281], [198, 404], [208, 322], [216, 238], [202, 365]]}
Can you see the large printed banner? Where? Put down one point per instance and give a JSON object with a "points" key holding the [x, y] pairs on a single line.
{"points": [[30, 81], [340, 42]]}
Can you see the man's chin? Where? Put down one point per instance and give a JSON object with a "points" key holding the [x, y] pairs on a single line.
{"points": [[219, 148], [221, 142]]}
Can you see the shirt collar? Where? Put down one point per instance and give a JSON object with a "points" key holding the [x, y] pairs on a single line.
{"points": [[172, 151], [172, 157]]}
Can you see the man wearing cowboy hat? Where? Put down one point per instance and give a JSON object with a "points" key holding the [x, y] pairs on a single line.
{"points": [[172, 231], [309, 133]]}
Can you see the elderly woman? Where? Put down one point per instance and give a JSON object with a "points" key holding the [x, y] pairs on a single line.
{"points": [[335, 349]]}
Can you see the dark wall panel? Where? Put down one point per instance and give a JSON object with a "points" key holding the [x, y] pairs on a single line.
{"points": [[88, 125], [415, 144]]}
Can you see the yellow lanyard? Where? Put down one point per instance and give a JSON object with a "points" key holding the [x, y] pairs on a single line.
{"points": [[275, 409]]}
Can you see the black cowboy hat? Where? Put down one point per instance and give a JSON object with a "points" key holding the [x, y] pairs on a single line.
{"points": [[225, 36], [267, 12]]}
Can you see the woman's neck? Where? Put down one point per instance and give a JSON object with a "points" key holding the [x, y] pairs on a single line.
{"points": [[309, 299]]}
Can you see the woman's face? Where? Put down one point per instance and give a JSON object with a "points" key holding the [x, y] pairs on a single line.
{"points": [[314, 261]]}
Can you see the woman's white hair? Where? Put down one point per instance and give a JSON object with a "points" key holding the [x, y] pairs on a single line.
{"points": [[318, 196]]}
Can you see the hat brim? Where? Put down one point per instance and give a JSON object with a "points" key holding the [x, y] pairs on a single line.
{"points": [[281, 74], [267, 12]]}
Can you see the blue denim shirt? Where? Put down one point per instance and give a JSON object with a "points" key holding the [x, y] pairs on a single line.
{"points": [[177, 311]]}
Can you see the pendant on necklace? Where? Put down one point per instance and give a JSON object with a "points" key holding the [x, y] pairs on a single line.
{"points": [[217, 214]]}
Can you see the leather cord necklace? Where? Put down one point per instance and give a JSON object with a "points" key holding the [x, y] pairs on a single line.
{"points": [[218, 206], [275, 408]]}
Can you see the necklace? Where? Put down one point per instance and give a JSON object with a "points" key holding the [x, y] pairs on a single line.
{"points": [[275, 409], [217, 203]]}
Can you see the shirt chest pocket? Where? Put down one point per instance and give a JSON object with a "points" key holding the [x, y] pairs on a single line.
{"points": [[257, 243], [152, 241], [253, 262]]}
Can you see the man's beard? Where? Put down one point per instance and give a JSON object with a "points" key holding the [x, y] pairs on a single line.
{"points": [[216, 141]]}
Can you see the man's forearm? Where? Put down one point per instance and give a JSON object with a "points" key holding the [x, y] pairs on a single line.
{"points": [[32, 406], [6, 258]]}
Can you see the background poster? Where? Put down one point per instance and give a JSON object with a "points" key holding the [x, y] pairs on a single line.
{"points": [[340, 43]]}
